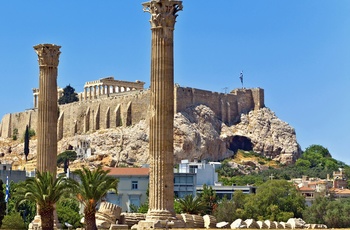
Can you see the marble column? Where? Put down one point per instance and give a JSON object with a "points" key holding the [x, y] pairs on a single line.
{"points": [[35, 94], [95, 91], [48, 55], [161, 150]]}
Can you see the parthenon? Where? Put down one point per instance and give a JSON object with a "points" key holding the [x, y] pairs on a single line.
{"points": [[96, 89], [106, 86]]}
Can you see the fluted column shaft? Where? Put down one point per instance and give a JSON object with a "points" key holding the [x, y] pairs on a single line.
{"points": [[161, 150], [35, 101], [161, 124], [48, 55]]}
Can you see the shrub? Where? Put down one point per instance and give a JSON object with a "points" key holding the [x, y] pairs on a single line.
{"points": [[68, 154], [68, 212], [13, 221], [15, 134]]}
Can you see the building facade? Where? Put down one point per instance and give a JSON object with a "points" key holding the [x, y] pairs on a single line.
{"points": [[204, 174], [13, 175], [132, 187]]}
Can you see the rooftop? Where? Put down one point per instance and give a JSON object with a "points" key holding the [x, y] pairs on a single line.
{"points": [[128, 171]]}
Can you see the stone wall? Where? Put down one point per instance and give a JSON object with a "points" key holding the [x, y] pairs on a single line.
{"points": [[227, 107], [13, 121], [128, 108], [13, 175]]}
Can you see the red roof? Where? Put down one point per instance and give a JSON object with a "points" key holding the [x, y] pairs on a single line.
{"points": [[128, 171], [306, 189], [340, 191]]}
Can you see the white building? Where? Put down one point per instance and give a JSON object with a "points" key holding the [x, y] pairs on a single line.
{"points": [[205, 173], [132, 187]]}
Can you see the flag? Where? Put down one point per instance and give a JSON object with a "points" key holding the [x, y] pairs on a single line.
{"points": [[241, 77], [7, 189]]}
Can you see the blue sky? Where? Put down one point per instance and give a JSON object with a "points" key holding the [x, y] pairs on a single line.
{"points": [[297, 50]]}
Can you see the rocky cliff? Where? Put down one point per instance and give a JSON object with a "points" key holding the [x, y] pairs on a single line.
{"points": [[198, 134]]}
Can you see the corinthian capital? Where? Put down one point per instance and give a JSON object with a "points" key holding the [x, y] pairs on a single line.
{"points": [[48, 54], [163, 12]]}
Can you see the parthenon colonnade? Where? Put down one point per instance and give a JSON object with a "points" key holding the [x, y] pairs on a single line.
{"points": [[95, 89], [107, 86]]}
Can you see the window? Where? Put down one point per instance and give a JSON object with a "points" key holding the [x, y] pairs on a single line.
{"points": [[134, 202], [134, 185]]}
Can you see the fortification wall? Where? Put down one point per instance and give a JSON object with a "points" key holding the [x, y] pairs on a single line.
{"points": [[128, 108], [228, 107], [18, 121], [122, 109]]}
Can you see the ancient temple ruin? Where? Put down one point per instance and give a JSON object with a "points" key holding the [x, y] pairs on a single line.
{"points": [[107, 86], [101, 88]]}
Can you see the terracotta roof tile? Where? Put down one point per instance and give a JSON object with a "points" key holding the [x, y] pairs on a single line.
{"points": [[127, 171], [340, 191], [306, 189]]}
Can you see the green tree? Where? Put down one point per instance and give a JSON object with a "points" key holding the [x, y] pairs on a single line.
{"points": [[226, 170], [13, 221], [66, 155], [93, 186], [276, 200], [26, 142], [325, 210], [337, 214], [209, 198], [69, 96], [45, 190], [191, 205], [316, 161], [26, 209], [68, 212], [230, 210], [303, 163], [2, 202], [225, 211], [318, 149], [239, 199]]}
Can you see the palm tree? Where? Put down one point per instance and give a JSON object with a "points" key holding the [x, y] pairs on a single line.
{"points": [[191, 205], [45, 190], [93, 186]]}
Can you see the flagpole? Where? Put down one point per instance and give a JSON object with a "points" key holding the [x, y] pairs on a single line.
{"points": [[7, 193]]}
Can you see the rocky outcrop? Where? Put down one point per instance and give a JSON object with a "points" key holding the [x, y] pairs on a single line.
{"points": [[198, 134], [269, 135]]}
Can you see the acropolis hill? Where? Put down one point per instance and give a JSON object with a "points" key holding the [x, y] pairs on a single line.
{"points": [[218, 123], [102, 109]]}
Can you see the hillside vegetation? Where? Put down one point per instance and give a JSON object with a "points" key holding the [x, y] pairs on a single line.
{"points": [[251, 168]]}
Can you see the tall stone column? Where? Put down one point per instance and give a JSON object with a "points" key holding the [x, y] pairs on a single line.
{"points": [[161, 150], [48, 55]]}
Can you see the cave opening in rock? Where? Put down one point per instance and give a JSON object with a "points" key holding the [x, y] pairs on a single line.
{"points": [[240, 142]]}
